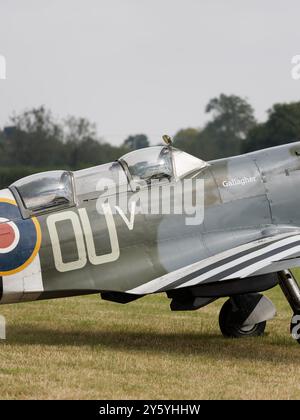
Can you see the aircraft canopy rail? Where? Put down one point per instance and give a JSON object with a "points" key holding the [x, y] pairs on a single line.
{"points": [[159, 162], [43, 191]]}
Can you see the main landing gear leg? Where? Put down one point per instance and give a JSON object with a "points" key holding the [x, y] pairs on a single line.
{"points": [[291, 290]]}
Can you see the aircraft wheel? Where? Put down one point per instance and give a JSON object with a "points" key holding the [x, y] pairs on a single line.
{"points": [[231, 326]]}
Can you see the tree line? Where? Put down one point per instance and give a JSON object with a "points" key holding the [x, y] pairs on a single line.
{"points": [[233, 129], [36, 141]]}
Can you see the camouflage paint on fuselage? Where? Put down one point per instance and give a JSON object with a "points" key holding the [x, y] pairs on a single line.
{"points": [[247, 198]]}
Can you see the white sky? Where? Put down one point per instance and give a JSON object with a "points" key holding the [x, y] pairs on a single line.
{"points": [[146, 66]]}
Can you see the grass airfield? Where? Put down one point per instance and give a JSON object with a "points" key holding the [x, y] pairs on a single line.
{"points": [[86, 348]]}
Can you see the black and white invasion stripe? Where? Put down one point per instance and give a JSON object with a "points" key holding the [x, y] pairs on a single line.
{"points": [[237, 262]]}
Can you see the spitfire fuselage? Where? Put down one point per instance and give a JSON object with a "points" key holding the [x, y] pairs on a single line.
{"points": [[77, 250]]}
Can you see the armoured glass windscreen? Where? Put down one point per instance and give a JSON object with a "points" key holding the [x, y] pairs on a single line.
{"points": [[45, 190], [149, 163], [184, 163]]}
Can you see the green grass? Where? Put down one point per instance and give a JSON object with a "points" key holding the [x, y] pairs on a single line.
{"points": [[87, 348]]}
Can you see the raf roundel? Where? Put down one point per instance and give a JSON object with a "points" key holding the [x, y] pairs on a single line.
{"points": [[20, 239], [9, 235]]}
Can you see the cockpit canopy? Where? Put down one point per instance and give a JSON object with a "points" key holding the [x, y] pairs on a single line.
{"points": [[45, 190], [159, 162], [55, 190]]}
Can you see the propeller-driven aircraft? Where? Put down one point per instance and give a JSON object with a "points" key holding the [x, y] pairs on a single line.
{"points": [[159, 220]]}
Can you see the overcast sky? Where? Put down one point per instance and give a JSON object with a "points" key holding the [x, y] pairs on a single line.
{"points": [[146, 66]]}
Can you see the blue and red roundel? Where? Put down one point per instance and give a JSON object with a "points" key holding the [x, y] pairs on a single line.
{"points": [[20, 240]]}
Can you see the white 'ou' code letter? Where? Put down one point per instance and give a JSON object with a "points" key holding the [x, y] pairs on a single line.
{"points": [[78, 235], [88, 234]]}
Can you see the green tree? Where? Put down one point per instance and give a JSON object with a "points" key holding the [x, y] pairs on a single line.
{"points": [[81, 141], [84, 146], [231, 115], [282, 126], [36, 139], [232, 118], [188, 139], [138, 141]]}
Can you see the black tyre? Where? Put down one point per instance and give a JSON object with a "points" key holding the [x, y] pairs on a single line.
{"points": [[231, 326]]}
